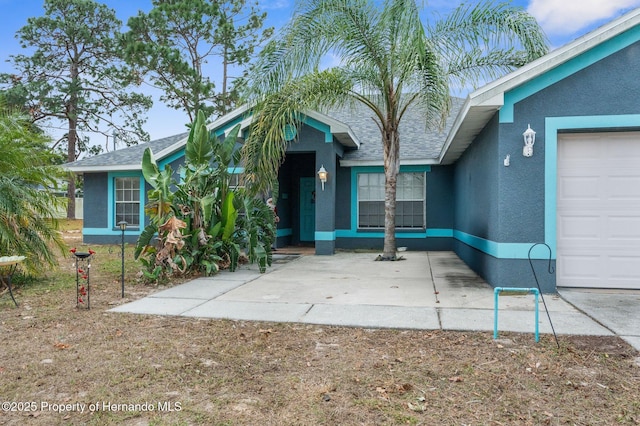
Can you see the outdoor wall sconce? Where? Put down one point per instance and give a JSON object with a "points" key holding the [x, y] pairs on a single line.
{"points": [[322, 175], [123, 227], [529, 139]]}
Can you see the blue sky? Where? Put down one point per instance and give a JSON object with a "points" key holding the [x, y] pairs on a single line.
{"points": [[563, 21]]}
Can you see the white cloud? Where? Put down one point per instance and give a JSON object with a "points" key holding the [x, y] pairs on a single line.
{"points": [[570, 16]]}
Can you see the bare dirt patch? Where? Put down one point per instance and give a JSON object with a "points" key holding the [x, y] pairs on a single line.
{"points": [[137, 370]]}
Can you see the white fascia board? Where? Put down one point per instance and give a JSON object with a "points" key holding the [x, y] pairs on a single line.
{"points": [[462, 114]]}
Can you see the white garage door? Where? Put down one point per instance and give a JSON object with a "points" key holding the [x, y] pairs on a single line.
{"points": [[598, 217]]}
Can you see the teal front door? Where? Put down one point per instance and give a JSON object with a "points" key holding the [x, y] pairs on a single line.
{"points": [[307, 209]]}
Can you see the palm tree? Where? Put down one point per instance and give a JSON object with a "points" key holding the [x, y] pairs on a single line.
{"points": [[27, 224], [389, 61]]}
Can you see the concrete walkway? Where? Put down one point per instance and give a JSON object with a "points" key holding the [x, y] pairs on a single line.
{"points": [[427, 290]]}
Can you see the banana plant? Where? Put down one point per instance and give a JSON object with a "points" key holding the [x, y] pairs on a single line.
{"points": [[160, 205], [218, 222]]}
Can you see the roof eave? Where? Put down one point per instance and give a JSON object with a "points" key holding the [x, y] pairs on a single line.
{"points": [[483, 103], [405, 162], [103, 168], [219, 122]]}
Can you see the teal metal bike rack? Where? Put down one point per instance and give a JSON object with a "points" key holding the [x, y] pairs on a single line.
{"points": [[496, 294]]}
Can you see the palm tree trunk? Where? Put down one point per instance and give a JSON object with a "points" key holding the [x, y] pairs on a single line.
{"points": [[391, 145]]}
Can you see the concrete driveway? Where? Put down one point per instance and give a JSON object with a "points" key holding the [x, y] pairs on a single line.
{"points": [[427, 290], [618, 311]]}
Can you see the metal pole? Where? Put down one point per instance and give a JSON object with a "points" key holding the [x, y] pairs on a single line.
{"points": [[123, 263]]}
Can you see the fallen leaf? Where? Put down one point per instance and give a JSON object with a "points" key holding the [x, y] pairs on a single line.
{"points": [[60, 345]]}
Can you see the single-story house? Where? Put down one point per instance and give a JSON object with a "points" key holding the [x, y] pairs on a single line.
{"points": [[483, 187]]}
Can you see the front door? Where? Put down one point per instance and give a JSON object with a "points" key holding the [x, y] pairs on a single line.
{"points": [[307, 209]]}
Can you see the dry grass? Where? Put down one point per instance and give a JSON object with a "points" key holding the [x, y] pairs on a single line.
{"points": [[245, 373]]}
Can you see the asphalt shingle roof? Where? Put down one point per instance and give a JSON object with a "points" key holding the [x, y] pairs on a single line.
{"points": [[417, 142], [131, 156]]}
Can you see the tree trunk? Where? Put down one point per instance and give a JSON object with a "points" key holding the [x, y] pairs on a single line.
{"points": [[391, 145], [71, 182], [72, 138]]}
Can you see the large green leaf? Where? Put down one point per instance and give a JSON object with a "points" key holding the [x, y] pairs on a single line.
{"points": [[150, 169], [214, 231], [228, 146], [145, 239], [207, 202], [229, 216], [199, 149]]}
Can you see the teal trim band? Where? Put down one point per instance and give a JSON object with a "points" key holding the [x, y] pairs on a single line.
{"points": [[325, 235], [429, 233], [220, 131], [570, 67], [442, 233], [318, 125], [552, 126], [501, 250], [170, 159], [284, 232], [110, 231]]}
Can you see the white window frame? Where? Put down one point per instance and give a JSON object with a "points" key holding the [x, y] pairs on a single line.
{"points": [[134, 200], [375, 193]]}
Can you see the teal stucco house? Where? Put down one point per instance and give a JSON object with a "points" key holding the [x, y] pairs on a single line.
{"points": [[547, 154]]}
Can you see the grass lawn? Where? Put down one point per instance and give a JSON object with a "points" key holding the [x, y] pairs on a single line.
{"points": [[65, 365]]}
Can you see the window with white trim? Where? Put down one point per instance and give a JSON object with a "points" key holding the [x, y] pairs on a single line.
{"points": [[127, 200], [410, 200]]}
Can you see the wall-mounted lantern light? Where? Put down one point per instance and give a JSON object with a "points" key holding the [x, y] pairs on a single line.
{"points": [[322, 175], [123, 227], [529, 139]]}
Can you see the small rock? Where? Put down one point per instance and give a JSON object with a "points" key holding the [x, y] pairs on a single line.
{"points": [[326, 397], [46, 361]]}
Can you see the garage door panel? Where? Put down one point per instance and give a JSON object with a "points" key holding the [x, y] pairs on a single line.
{"points": [[624, 267], [624, 228], [580, 266], [598, 210], [580, 188], [573, 227], [624, 188]]}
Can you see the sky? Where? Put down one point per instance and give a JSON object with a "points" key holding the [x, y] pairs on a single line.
{"points": [[562, 21]]}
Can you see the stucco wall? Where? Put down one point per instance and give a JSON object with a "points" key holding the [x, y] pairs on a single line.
{"points": [[476, 185], [507, 204], [95, 200]]}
